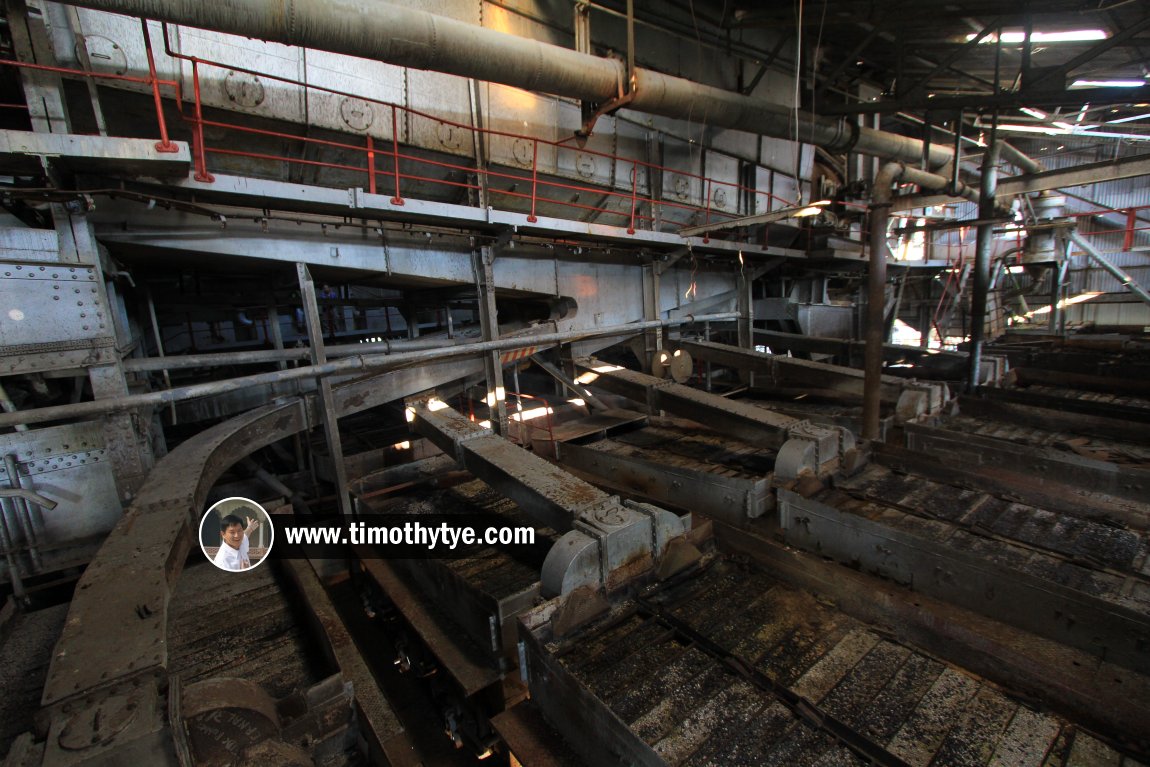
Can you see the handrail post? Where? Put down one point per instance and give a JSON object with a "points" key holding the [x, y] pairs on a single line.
{"points": [[634, 191], [534, 178], [201, 151], [370, 164], [398, 198], [707, 192], [165, 144]]}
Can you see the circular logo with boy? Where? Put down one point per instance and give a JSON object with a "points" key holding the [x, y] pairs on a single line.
{"points": [[236, 534]]}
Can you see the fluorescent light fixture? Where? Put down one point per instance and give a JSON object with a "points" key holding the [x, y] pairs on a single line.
{"points": [[1016, 269], [1128, 119], [1032, 129], [1108, 83], [1065, 129], [1070, 36], [1035, 113]]}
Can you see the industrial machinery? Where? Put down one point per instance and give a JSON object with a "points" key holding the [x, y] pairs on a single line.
{"points": [[807, 475]]}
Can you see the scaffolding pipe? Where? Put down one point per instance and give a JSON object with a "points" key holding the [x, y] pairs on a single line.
{"points": [[411, 38], [1095, 255], [364, 363]]}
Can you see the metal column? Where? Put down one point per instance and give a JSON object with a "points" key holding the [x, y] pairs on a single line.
{"points": [[982, 253], [327, 403], [482, 262]]}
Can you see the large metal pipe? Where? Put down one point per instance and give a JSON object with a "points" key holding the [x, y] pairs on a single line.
{"points": [[408, 37], [876, 279], [982, 252], [1127, 281], [358, 364]]}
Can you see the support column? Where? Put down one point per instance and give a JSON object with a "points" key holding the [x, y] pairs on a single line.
{"points": [[483, 261], [43, 90], [875, 326], [745, 306], [652, 339], [982, 253], [326, 401]]}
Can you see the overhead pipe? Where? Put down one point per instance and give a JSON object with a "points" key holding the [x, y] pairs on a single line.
{"points": [[420, 40], [1095, 255], [364, 363]]}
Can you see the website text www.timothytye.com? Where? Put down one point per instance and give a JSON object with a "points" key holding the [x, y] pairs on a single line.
{"points": [[400, 535]]}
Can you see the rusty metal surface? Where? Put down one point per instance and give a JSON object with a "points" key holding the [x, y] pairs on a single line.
{"points": [[1059, 435], [1052, 596], [736, 654], [378, 722], [1096, 543], [546, 492], [463, 661], [221, 625], [738, 419], [26, 642], [1041, 462], [1093, 694], [224, 716], [486, 587], [724, 495]]}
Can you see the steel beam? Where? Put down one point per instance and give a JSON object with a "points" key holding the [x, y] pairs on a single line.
{"points": [[606, 542], [327, 402], [777, 371], [357, 364], [732, 499], [803, 448], [482, 262], [21, 152]]}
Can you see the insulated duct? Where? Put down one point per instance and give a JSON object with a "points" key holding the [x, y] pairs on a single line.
{"points": [[421, 40]]}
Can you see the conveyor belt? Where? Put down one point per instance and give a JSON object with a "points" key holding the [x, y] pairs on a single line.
{"points": [[735, 668]]}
